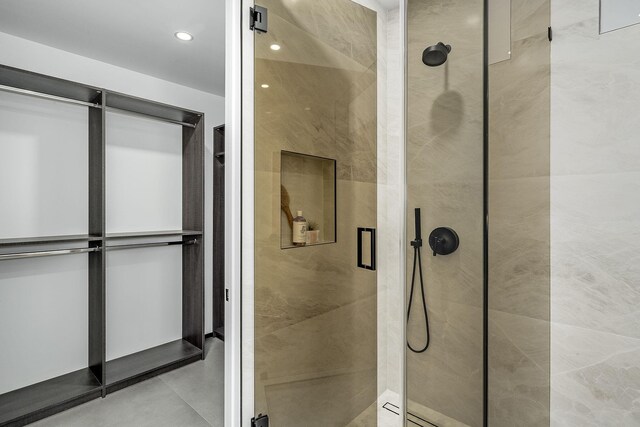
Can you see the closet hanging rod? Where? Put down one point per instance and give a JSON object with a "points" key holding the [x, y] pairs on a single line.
{"points": [[149, 245], [22, 255], [162, 119], [47, 96]]}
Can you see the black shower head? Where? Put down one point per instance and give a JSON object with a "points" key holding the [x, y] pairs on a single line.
{"points": [[436, 55]]}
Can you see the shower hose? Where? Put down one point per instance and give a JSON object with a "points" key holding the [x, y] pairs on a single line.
{"points": [[417, 261]]}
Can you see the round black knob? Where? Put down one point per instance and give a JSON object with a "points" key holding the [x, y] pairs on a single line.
{"points": [[443, 241]]}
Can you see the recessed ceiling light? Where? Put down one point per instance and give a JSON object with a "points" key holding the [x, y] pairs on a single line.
{"points": [[275, 46], [265, 86], [184, 36]]}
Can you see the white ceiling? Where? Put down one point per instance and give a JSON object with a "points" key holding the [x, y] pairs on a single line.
{"points": [[134, 34]]}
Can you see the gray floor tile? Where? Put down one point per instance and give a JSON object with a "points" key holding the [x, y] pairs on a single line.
{"points": [[201, 385], [150, 403], [192, 396]]}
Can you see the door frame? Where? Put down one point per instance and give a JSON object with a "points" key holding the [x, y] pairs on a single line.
{"points": [[235, 23]]}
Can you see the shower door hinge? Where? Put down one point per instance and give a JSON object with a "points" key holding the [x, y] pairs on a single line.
{"points": [[260, 421], [258, 19], [550, 34]]}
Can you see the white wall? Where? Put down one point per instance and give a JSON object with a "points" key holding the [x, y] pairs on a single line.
{"points": [[144, 174], [56, 200], [144, 193], [39, 197], [134, 277], [41, 339]]}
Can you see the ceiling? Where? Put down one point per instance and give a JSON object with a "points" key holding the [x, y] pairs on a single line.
{"points": [[133, 34]]}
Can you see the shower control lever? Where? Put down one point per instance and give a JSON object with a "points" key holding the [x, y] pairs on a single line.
{"points": [[443, 241]]}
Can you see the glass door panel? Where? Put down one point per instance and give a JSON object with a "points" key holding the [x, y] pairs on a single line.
{"points": [[444, 169], [315, 157]]}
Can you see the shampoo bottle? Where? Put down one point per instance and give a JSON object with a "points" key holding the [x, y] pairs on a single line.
{"points": [[299, 230]]}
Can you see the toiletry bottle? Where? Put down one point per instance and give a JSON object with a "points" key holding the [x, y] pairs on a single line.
{"points": [[299, 230]]}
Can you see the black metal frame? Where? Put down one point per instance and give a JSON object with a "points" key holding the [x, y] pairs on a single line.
{"points": [[485, 219]]}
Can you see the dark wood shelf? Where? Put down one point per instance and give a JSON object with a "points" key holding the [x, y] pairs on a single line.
{"points": [[147, 234], [219, 333], [29, 241], [27, 80], [31, 403], [48, 397], [136, 367], [151, 109]]}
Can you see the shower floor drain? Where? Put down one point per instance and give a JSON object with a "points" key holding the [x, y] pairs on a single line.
{"points": [[413, 419]]}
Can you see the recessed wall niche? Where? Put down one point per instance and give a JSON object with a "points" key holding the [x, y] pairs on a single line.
{"points": [[307, 184]]}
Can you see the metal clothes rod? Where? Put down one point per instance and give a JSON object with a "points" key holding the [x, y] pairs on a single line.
{"points": [[47, 96], [37, 254], [162, 119], [149, 245]]}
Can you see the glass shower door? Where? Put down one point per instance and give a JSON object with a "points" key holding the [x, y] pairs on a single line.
{"points": [[315, 158], [444, 171]]}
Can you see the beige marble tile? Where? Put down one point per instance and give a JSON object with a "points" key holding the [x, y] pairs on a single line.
{"points": [[519, 223], [329, 401], [532, 337], [606, 393], [417, 414], [346, 26], [518, 384], [594, 187], [596, 86], [565, 13], [519, 250], [369, 417], [519, 106], [529, 18], [448, 377], [574, 348]]}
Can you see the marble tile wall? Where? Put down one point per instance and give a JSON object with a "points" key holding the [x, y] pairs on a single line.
{"points": [[315, 311], [390, 213], [445, 179], [595, 206], [519, 222]]}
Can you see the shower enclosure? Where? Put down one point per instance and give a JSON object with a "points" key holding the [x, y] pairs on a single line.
{"points": [[505, 302]]}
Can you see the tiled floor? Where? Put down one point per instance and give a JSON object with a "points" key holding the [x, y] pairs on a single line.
{"points": [[190, 396]]}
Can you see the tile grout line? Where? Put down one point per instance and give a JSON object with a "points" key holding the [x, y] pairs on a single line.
{"points": [[174, 391]]}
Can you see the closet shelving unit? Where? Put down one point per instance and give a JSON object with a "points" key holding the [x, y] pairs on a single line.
{"points": [[100, 377]]}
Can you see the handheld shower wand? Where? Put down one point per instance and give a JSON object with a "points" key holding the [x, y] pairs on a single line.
{"points": [[443, 241], [417, 261]]}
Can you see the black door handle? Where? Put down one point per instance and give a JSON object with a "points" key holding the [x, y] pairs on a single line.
{"points": [[372, 255]]}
